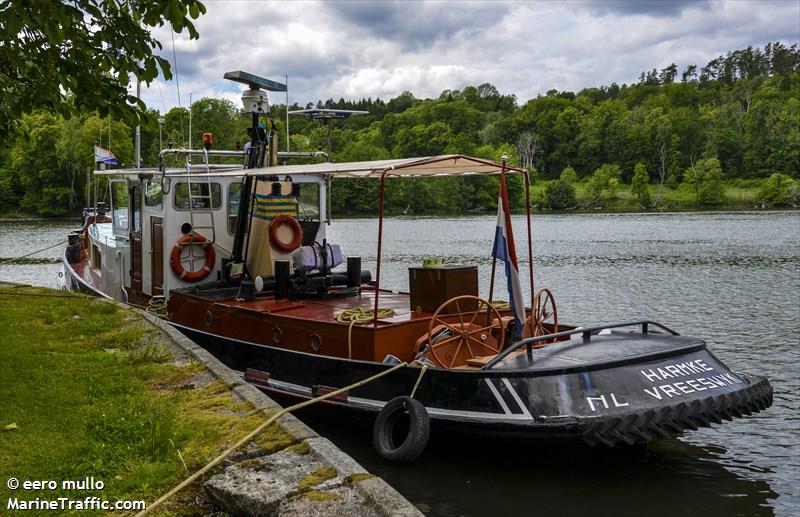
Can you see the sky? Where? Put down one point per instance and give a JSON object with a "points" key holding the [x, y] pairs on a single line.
{"points": [[378, 49]]}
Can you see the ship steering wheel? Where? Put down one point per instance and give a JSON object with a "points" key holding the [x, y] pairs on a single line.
{"points": [[543, 313], [452, 343]]}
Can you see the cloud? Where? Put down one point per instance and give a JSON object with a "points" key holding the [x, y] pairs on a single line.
{"points": [[416, 25], [379, 49], [652, 7]]}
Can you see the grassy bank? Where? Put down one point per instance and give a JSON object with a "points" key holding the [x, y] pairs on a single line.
{"points": [[90, 390], [737, 195]]}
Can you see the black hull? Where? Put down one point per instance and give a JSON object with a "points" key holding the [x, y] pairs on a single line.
{"points": [[607, 403], [668, 384]]}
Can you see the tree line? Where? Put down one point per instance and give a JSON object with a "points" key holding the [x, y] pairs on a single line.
{"points": [[690, 132]]}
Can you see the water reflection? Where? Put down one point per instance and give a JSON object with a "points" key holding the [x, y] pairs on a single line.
{"points": [[457, 477]]}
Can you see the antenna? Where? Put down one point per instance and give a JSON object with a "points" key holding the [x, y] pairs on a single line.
{"points": [[254, 82], [325, 116], [287, 113]]}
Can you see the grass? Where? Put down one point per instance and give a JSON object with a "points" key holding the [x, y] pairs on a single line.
{"points": [[94, 393], [738, 195]]}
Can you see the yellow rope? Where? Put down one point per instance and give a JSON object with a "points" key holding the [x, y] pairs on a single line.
{"points": [[216, 461], [360, 316], [425, 367], [12, 259], [157, 307]]}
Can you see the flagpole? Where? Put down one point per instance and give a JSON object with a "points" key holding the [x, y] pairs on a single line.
{"points": [[494, 259], [530, 239], [491, 282]]}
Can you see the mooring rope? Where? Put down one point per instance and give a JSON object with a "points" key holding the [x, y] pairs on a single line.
{"points": [[12, 259], [9, 293], [157, 306], [360, 316], [425, 367], [216, 461]]}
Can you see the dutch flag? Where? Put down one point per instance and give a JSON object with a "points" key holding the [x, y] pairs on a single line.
{"points": [[504, 250], [104, 156]]}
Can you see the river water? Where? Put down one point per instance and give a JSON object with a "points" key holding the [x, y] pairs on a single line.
{"points": [[730, 278]]}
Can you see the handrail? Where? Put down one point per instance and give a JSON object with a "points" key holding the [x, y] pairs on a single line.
{"points": [[237, 154], [587, 338]]}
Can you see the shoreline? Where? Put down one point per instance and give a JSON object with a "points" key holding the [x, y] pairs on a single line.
{"points": [[443, 215]]}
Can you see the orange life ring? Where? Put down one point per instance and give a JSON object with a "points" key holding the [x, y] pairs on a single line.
{"points": [[175, 258], [286, 247]]}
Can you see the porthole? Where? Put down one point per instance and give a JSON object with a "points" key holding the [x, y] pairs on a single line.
{"points": [[316, 342], [277, 336], [209, 318]]}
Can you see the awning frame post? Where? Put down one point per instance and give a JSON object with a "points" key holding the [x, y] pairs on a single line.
{"points": [[530, 238], [380, 243]]}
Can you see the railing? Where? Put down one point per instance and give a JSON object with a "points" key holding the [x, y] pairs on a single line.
{"points": [[585, 332]]}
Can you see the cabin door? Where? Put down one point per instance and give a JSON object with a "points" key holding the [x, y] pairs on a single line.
{"points": [[136, 239], [157, 255]]}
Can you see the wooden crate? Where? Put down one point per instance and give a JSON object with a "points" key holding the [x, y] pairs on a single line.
{"points": [[432, 286]]}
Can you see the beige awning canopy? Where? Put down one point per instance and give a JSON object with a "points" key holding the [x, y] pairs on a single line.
{"points": [[447, 165]]}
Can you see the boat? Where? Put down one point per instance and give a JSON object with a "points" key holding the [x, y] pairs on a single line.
{"points": [[237, 254]]}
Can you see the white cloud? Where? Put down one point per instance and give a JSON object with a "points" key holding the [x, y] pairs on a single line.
{"points": [[378, 49]]}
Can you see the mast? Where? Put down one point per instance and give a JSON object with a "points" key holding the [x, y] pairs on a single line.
{"points": [[287, 113], [254, 100], [138, 141]]}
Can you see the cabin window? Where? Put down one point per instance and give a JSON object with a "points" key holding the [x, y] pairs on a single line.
{"points": [[234, 194], [119, 204], [199, 196], [308, 201], [153, 195], [96, 258]]}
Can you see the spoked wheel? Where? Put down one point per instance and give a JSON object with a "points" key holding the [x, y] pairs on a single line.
{"points": [[466, 334], [543, 313]]}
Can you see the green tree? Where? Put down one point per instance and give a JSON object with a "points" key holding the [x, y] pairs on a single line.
{"points": [[705, 179], [559, 195], [605, 179], [640, 185], [34, 162], [778, 190], [80, 55], [569, 175], [219, 117]]}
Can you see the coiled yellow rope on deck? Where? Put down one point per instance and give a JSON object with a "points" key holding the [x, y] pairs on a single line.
{"points": [[360, 316]]}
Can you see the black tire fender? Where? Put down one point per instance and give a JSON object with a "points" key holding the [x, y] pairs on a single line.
{"points": [[419, 429]]}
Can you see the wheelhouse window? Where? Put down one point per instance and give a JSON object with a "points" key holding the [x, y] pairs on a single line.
{"points": [[119, 204], [199, 199], [234, 195], [153, 195], [308, 201]]}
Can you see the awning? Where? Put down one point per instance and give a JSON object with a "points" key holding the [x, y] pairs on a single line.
{"points": [[445, 165]]}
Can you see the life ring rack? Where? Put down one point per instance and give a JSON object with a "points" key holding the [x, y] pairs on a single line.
{"points": [[291, 222], [175, 257]]}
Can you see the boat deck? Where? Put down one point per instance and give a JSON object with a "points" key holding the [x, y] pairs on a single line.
{"points": [[320, 309], [615, 347]]}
